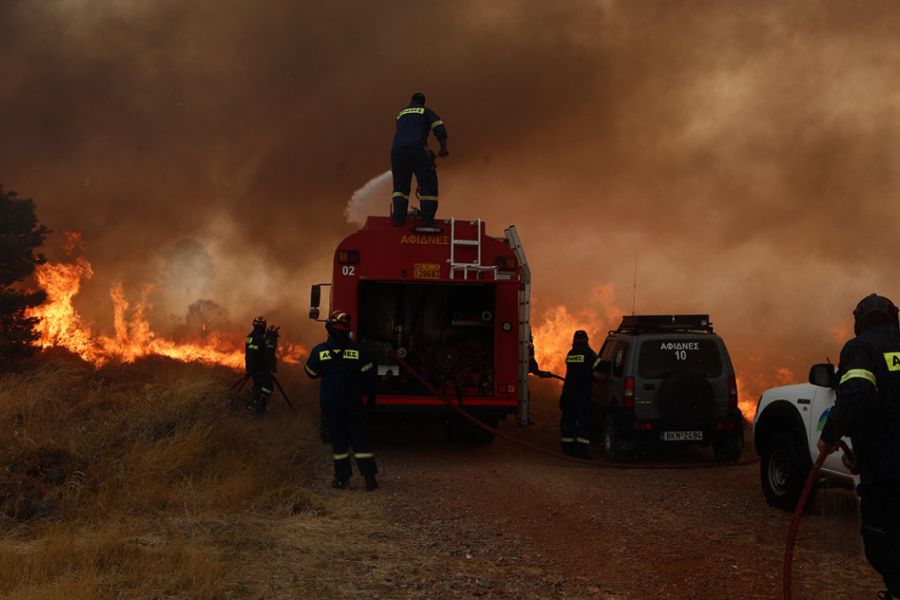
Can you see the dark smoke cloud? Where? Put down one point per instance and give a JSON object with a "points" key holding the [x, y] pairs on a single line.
{"points": [[742, 153]]}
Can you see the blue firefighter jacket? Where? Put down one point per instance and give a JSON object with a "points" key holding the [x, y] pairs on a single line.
{"points": [[414, 123]]}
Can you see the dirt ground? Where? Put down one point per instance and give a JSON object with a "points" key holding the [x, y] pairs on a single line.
{"points": [[503, 522]]}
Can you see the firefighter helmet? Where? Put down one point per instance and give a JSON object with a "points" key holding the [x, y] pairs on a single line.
{"points": [[259, 322], [339, 320], [580, 336], [873, 310]]}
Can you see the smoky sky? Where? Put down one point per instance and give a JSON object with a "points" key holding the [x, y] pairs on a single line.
{"points": [[741, 155]]}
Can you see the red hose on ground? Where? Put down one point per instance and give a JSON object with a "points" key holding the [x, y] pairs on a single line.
{"points": [[795, 524], [532, 447]]}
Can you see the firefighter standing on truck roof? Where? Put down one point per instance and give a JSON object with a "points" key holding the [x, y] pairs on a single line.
{"points": [[346, 373], [257, 363], [410, 154], [575, 401], [868, 410]]}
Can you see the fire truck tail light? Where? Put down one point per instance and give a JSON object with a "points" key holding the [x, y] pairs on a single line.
{"points": [[506, 388], [628, 396], [348, 257], [505, 262]]}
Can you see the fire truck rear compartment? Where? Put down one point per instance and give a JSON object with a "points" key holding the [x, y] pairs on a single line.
{"points": [[443, 330]]}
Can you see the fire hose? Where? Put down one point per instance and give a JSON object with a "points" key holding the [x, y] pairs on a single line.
{"points": [[583, 461], [798, 512]]}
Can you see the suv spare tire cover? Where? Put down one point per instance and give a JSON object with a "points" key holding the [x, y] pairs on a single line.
{"points": [[686, 397]]}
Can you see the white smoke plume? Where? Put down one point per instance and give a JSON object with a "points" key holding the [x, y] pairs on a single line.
{"points": [[370, 199]]}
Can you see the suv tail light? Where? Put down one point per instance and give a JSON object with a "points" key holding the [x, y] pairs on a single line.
{"points": [[732, 392], [628, 396]]}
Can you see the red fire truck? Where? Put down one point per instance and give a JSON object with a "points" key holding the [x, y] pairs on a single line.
{"points": [[448, 299]]}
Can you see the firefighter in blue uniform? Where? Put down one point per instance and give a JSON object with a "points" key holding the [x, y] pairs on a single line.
{"points": [[868, 410], [575, 401], [257, 363], [347, 374], [410, 154]]}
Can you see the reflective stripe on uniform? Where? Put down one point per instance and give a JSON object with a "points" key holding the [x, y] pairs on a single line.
{"points": [[412, 111], [351, 354], [366, 367], [567, 440], [364, 454], [893, 360], [583, 440], [859, 374], [266, 390], [400, 195], [343, 456], [575, 358], [437, 123], [428, 197], [253, 347], [310, 371]]}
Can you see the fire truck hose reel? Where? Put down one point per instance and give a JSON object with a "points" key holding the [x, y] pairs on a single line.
{"points": [[583, 461]]}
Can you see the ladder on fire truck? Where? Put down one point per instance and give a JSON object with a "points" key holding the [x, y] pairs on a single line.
{"points": [[471, 266], [512, 238]]}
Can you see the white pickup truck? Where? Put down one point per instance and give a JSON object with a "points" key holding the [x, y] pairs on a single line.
{"points": [[786, 428]]}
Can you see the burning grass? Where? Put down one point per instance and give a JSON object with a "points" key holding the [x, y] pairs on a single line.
{"points": [[143, 480]]}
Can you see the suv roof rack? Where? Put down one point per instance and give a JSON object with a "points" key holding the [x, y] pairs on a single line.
{"points": [[665, 323]]}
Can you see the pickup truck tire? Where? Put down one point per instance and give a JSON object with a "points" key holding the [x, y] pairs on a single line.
{"points": [[783, 469], [617, 449]]}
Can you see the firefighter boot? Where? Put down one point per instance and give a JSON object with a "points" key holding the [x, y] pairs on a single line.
{"points": [[371, 483], [429, 209], [339, 484], [398, 209]]}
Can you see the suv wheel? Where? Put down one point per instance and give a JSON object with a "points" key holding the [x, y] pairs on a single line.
{"points": [[617, 449], [783, 471], [728, 450]]}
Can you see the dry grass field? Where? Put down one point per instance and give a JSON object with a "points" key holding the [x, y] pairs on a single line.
{"points": [[150, 481]]}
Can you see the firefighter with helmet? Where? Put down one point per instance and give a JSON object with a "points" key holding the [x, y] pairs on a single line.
{"points": [[347, 373], [575, 401], [867, 409], [410, 154], [258, 364]]}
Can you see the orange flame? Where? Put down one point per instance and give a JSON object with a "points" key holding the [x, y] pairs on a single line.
{"points": [[60, 325], [553, 331]]}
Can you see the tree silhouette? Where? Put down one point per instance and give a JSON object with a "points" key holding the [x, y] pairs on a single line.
{"points": [[20, 236]]}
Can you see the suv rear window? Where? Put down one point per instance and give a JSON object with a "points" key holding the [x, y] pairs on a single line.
{"points": [[660, 358]]}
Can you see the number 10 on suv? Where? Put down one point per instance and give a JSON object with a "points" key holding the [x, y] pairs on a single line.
{"points": [[666, 380]]}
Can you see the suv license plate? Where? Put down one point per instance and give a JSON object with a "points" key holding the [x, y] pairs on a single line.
{"points": [[682, 436]]}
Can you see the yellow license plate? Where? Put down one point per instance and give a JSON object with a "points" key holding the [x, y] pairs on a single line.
{"points": [[427, 271]]}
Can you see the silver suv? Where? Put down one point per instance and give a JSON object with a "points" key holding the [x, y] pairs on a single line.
{"points": [[666, 380]]}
